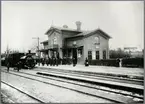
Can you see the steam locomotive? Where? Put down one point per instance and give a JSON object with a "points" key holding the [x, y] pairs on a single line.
{"points": [[27, 61]]}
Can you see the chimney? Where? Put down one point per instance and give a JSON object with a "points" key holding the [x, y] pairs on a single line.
{"points": [[29, 51], [65, 26], [78, 23]]}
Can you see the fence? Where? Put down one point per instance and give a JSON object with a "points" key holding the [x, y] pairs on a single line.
{"points": [[125, 62], [133, 62], [107, 62]]}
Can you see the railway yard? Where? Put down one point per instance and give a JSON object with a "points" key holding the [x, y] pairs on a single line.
{"points": [[72, 52], [56, 85]]}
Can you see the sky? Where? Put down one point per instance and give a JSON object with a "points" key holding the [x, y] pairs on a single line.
{"points": [[23, 20]]}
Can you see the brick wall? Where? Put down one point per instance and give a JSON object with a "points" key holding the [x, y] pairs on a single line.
{"points": [[89, 44]]}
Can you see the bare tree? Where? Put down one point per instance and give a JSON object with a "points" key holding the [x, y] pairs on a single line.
{"points": [[34, 47], [119, 53]]}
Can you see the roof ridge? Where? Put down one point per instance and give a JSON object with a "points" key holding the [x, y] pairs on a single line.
{"points": [[62, 28]]}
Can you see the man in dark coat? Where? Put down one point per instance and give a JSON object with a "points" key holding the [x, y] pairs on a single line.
{"points": [[50, 60], [57, 61], [47, 61], [53, 61], [43, 61], [19, 65], [8, 63], [74, 61], [117, 61], [8, 66]]}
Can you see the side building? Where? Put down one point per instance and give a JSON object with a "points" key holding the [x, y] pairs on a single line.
{"points": [[76, 43]]}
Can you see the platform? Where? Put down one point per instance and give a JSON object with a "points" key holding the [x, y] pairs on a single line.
{"points": [[117, 71]]}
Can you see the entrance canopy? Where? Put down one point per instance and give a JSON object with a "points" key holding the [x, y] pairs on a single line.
{"points": [[43, 50], [71, 47]]}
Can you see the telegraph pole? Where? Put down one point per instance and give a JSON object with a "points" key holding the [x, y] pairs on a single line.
{"points": [[37, 48], [7, 51]]}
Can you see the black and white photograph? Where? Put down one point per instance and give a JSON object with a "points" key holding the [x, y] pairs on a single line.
{"points": [[72, 52]]}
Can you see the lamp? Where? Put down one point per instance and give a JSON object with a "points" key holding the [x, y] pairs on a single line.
{"points": [[74, 43]]}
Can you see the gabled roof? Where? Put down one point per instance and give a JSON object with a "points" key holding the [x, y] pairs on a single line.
{"points": [[103, 33], [62, 29], [80, 33], [46, 41], [87, 33]]}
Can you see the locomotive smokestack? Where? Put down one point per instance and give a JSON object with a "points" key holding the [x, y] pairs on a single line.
{"points": [[29, 51], [78, 23]]}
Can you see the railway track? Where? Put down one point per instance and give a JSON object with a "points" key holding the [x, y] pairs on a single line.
{"points": [[96, 75], [130, 85], [89, 86], [5, 97], [22, 92]]}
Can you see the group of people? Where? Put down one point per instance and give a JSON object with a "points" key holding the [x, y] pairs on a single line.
{"points": [[55, 61], [50, 61], [17, 67]]}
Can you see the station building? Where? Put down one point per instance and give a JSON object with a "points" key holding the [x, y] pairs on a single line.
{"points": [[76, 43]]}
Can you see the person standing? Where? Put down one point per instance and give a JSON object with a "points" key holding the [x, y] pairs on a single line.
{"points": [[118, 62], [47, 60], [8, 63], [50, 60], [86, 62], [8, 66], [53, 61], [43, 61], [19, 65], [65, 60], [57, 59], [74, 61]]}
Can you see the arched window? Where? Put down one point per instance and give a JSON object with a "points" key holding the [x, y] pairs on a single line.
{"points": [[97, 40], [55, 40]]}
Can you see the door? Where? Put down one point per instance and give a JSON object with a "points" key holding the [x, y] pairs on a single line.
{"points": [[80, 56], [104, 54]]}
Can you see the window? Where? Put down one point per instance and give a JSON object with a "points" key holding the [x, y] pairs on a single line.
{"points": [[79, 53], [46, 47], [89, 55], [97, 40], [55, 40], [104, 54], [97, 55], [52, 42]]}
